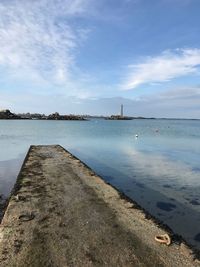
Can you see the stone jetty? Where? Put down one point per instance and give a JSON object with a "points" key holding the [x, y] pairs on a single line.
{"points": [[60, 213]]}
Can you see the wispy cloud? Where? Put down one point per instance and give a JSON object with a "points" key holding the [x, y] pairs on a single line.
{"points": [[162, 68], [38, 40]]}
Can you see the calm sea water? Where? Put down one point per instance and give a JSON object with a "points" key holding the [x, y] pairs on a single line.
{"points": [[160, 169]]}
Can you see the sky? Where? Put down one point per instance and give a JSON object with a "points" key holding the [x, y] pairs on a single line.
{"points": [[91, 56]]}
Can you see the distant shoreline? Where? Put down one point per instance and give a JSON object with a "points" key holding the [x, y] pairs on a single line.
{"points": [[7, 115], [94, 117]]}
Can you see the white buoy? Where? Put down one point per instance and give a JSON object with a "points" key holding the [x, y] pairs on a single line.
{"points": [[136, 135]]}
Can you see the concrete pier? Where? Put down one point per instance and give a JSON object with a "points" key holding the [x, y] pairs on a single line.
{"points": [[61, 214]]}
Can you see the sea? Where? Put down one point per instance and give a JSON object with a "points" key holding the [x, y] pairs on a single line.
{"points": [[159, 169]]}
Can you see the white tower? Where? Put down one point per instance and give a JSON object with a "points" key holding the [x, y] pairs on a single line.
{"points": [[122, 111]]}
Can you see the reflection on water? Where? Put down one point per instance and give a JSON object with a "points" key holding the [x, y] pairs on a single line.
{"points": [[8, 172], [159, 169]]}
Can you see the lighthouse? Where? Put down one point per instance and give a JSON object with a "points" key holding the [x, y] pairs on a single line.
{"points": [[122, 111]]}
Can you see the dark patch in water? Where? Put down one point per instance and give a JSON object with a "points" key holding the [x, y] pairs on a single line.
{"points": [[167, 186], [139, 184], [166, 206], [134, 176], [197, 237], [183, 188], [194, 202], [172, 199], [3, 204]]}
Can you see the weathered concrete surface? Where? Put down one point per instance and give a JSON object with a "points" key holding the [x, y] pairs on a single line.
{"points": [[61, 214]]}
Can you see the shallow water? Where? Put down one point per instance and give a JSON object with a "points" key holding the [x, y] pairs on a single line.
{"points": [[160, 169]]}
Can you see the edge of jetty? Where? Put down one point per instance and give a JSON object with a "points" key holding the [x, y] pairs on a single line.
{"points": [[60, 213]]}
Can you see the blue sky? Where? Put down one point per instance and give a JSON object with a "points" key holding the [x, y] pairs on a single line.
{"points": [[89, 56]]}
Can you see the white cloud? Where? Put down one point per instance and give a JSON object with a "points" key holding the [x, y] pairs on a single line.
{"points": [[38, 40], [162, 68]]}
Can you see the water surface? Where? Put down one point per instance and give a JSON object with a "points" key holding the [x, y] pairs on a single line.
{"points": [[160, 169]]}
